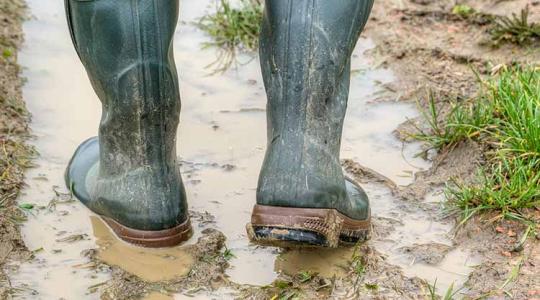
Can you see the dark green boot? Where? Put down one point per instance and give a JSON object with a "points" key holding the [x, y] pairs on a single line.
{"points": [[303, 197], [129, 174]]}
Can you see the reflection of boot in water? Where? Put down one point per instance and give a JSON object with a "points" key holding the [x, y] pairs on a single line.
{"points": [[303, 197], [129, 174]]}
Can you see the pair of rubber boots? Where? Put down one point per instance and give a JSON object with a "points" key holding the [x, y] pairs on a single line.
{"points": [[129, 174]]}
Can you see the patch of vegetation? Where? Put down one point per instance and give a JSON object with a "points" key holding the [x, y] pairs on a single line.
{"points": [[371, 286], [305, 276], [463, 10], [448, 295], [357, 263], [515, 29], [285, 290], [232, 29], [228, 254], [505, 120], [26, 206], [7, 53]]}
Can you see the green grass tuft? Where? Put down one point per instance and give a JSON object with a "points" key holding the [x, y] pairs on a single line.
{"points": [[305, 276], [449, 294], [7, 53], [515, 29], [232, 29], [463, 10], [228, 254], [505, 120]]}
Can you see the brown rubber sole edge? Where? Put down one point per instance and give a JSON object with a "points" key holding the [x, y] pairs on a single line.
{"points": [[151, 239], [334, 226]]}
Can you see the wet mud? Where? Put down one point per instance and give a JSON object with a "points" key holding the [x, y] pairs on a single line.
{"points": [[15, 154], [221, 144]]}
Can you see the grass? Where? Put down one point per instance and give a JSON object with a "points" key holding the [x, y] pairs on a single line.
{"points": [[515, 29], [232, 29], [505, 120], [7, 53], [448, 295], [228, 254], [463, 10], [305, 276]]}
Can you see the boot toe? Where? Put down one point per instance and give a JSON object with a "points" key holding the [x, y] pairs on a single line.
{"points": [[85, 158]]}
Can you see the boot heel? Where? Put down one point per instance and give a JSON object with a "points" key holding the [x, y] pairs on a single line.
{"points": [[304, 227], [151, 239]]}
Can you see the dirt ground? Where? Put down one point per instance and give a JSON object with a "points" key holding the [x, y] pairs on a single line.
{"points": [[14, 154], [430, 50]]}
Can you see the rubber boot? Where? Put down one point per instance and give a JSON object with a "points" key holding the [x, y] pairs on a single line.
{"points": [[129, 174], [303, 197]]}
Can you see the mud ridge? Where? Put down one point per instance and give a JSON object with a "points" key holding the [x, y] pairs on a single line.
{"points": [[15, 154]]}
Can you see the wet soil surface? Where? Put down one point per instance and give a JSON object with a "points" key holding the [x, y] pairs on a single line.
{"points": [[14, 153], [221, 142]]}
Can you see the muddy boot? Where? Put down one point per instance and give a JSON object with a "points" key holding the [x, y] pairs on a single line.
{"points": [[303, 197], [129, 174]]}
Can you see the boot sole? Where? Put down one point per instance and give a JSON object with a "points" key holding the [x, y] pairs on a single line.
{"points": [[151, 239], [305, 227]]}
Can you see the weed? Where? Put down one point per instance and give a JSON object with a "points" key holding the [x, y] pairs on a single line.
{"points": [[371, 286], [305, 276], [26, 206], [290, 295], [449, 295], [7, 53], [358, 262], [232, 28], [463, 121], [507, 186], [505, 120], [515, 29], [228, 255], [282, 284], [463, 10], [359, 267]]}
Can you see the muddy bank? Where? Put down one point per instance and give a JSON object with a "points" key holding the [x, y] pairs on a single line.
{"points": [[435, 51], [432, 49], [15, 155]]}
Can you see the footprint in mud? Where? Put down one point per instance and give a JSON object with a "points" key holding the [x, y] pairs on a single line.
{"points": [[431, 254], [327, 263], [152, 265]]}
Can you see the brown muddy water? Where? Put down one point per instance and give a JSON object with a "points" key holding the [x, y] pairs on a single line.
{"points": [[221, 143]]}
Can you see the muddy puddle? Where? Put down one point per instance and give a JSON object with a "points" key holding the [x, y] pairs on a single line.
{"points": [[221, 143]]}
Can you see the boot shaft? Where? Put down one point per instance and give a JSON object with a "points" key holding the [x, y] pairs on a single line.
{"points": [[305, 50], [126, 48]]}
